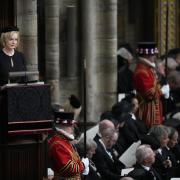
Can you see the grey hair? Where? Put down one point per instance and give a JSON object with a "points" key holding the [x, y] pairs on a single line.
{"points": [[143, 152], [171, 132], [104, 124], [89, 144], [108, 132], [158, 131]]}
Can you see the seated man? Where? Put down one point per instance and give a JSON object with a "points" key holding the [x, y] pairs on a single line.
{"points": [[143, 169], [107, 165]]}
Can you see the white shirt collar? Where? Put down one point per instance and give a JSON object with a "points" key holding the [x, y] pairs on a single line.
{"points": [[159, 151], [133, 116], [146, 167]]}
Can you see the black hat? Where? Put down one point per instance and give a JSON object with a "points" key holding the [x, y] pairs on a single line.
{"points": [[9, 29], [147, 48], [64, 118], [74, 101]]}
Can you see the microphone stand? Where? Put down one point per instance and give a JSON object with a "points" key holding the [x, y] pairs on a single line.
{"points": [[166, 51], [84, 80]]}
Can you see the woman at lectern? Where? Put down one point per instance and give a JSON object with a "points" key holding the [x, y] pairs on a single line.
{"points": [[11, 60]]}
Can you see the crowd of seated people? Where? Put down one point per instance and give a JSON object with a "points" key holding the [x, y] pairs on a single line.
{"points": [[119, 129]]}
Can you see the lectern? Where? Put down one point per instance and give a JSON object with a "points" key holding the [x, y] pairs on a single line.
{"points": [[25, 119]]}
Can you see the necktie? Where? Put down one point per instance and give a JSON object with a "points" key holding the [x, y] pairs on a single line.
{"points": [[152, 173]]}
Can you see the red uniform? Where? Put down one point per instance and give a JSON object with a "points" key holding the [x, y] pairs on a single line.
{"points": [[148, 90], [66, 162]]}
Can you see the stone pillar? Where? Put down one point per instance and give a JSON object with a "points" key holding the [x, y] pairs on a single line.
{"points": [[52, 47], [27, 22], [88, 51], [72, 63], [106, 58], [99, 49]]}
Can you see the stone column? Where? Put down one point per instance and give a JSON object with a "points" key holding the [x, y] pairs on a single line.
{"points": [[27, 22], [88, 51], [72, 63], [106, 58], [52, 47], [99, 49]]}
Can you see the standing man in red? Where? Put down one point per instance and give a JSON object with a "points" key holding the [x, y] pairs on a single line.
{"points": [[147, 86], [64, 158]]}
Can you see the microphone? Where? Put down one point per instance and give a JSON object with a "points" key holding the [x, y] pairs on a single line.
{"points": [[24, 74]]}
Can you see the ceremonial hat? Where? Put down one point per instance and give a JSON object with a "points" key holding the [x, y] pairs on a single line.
{"points": [[74, 101], [147, 48], [65, 118], [9, 29]]}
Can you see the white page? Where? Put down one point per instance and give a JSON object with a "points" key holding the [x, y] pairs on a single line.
{"points": [[128, 158]]}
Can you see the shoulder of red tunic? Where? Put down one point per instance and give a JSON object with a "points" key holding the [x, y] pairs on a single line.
{"points": [[68, 162]]}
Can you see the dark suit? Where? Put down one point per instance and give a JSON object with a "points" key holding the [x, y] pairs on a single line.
{"points": [[166, 173], [141, 126], [106, 165], [96, 138], [140, 173], [93, 174], [125, 84], [128, 134], [176, 162]]}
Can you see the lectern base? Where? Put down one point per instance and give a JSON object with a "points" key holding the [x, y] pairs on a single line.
{"points": [[22, 159]]}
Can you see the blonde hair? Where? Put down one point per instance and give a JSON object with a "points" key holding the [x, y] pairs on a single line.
{"points": [[6, 36]]}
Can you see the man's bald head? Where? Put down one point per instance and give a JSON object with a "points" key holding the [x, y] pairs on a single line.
{"points": [[104, 124]]}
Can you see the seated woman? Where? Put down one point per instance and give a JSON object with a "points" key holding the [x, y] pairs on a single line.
{"points": [[90, 151], [163, 162]]}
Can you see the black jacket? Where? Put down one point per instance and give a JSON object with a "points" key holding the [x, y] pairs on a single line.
{"points": [[106, 165], [140, 173]]}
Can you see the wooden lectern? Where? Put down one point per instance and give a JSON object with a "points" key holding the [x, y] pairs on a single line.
{"points": [[25, 119]]}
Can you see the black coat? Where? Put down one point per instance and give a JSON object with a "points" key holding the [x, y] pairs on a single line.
{"points": [[176, 161], [128, 134], [93, 174], [142, 127], [11, 64], [106, 166], [125, 84], [140, 173], [166, 173]]}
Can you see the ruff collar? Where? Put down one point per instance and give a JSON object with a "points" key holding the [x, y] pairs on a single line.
{"points": [[67, 135], [147, 62]]}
